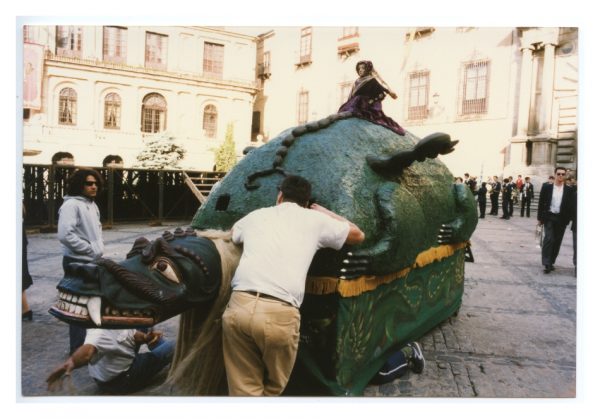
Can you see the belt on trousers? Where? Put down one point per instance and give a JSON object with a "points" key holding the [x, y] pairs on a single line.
{"points": [[267, 296]]}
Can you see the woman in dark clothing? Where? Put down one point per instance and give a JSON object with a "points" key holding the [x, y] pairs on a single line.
{"points": [[366, 96]]}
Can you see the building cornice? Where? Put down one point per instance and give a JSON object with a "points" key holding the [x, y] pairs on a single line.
{"points": [[219, 30], [135, 71]]}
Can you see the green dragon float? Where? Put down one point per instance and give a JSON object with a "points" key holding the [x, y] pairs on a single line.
{"points": [[361, 304]]}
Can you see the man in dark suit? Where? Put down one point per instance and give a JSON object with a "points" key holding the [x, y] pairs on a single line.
{"points": [[527, 195], [555, 211], [494, 195], [506, 199], [482, 198]]}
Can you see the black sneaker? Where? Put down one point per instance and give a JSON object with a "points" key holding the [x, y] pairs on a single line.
{"points": [[417, 360]]}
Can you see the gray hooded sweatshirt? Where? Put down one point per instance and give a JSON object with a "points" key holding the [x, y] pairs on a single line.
{"points": [[79, 228]]}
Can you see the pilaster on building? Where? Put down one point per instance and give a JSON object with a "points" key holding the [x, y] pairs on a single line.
{"points": [[546, 128]]}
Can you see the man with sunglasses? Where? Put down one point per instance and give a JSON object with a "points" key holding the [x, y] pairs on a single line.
{"points": [[555, 211], [80, 230]]}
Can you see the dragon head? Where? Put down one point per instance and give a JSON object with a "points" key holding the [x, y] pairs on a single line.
{"points": [[158, 280]]}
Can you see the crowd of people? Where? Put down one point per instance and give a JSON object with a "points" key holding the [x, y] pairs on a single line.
{"points": [[557, 205]]}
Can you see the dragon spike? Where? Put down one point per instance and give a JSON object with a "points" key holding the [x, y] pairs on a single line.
{"points": [[139, 244]]}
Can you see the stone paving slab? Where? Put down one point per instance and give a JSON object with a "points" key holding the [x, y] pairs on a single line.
{"points": [[513, 337]]}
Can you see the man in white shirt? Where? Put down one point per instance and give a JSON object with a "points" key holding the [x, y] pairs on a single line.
{"points": [[114, 362], [555, 210], [261, 325]]}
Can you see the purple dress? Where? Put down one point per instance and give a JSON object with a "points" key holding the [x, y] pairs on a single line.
{"points": [[365, 103]]}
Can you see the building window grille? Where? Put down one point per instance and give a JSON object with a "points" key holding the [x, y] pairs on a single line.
{"points": [[156, 51], [112, 111], [67, 107], [418, 95], [68, 41], [305, 46], [209, 121], [115, 44], [475, 88], [302, 107], [154, 112], [213, 60]]}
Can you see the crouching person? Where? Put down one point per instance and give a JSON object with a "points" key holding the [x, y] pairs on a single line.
{"points": [[114, 360]]}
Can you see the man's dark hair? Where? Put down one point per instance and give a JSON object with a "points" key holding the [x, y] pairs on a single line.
{"points": [[77, 179], [296, 189], [559, 168]]}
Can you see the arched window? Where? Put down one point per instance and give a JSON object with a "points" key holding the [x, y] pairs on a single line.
{"points": [[154, 113], [67, 107], [209, 122], [112, 111]]}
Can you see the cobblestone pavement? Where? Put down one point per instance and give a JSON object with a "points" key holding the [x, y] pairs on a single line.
{"points": [[514, 336]]}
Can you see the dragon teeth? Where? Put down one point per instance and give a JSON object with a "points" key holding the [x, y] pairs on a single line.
{"points": [[94, 306]]}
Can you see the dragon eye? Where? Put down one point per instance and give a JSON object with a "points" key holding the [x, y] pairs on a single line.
{"points": [[165, 268]]}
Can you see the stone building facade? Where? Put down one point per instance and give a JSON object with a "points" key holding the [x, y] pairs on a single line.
{"points": [[508, 94], [99, 93]]}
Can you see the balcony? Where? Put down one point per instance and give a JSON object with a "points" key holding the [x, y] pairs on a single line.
{"points": [[348, 49], [263, 71], [304, 61], [419, 33]]}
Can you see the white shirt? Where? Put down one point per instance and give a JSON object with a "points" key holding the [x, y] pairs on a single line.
{"points": [[557, 195], [279, 245], [115, 351]]}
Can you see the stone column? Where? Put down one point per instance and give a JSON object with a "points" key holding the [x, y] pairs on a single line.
{"points": [[525, 92], [547, 89], [518, 143]]}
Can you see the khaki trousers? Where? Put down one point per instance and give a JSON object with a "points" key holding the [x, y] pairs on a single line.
{"points": [[260, 342]]}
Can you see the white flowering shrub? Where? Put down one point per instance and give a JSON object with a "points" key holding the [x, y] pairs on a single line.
{"points": [[160, 152]]}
